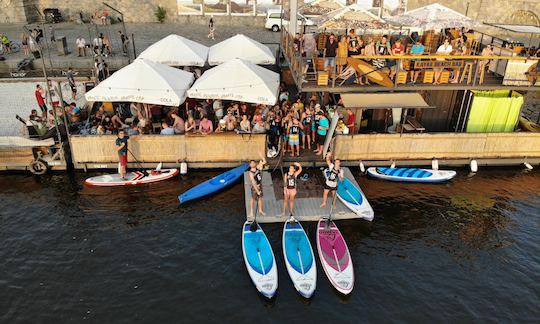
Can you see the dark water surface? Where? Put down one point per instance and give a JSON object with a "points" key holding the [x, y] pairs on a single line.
{"points": [[458, 252]]}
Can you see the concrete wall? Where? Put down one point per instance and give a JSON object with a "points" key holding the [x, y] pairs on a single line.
{"points": [[215, 148], [440, 145]]}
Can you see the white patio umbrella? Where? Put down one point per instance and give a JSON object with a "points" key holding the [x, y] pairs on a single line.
{"points": [[433, 17], [175, 50], [237, 80], [145, 82], [352, 16], [243, 47]]}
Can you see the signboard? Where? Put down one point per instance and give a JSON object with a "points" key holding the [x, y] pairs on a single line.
{"points": [[450, 64]]}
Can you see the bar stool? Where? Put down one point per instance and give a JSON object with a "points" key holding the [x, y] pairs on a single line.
{"points": [[428, 76], [467, 70], [402, 77], [445, 77]]}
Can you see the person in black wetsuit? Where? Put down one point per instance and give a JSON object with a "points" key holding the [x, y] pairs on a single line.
{"points": [[333, 174], [255, 177]]}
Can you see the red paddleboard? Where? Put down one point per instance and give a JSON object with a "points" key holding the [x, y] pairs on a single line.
{"points": [[335, 257], [132, 178]]}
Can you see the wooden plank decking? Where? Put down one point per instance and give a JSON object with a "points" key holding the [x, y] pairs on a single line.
{"points": [[307, 201]]}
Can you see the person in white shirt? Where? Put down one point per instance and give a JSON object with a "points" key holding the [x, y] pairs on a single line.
{"points": [[81, 46], [444, 49], [217, 105]]}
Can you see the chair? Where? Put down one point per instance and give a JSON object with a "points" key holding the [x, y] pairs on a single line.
{"points": [[156, 128], [445, 77], [467, 70], [348, 75], [402, 77], [428, 76]]}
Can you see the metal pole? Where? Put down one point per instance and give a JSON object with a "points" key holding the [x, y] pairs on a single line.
{"points": [[134, 50], [46, 82]]}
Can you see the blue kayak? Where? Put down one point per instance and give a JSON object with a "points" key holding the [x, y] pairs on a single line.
{"points": [[259, 259], [215, 184]]}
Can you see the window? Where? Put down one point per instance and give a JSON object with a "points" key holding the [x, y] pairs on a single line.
{"points": [[275, 15]]}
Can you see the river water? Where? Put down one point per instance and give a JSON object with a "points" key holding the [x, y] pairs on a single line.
{"points": [[458, 252]]}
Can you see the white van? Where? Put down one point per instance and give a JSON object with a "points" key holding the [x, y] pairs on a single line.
{"points": [[273, 20]]}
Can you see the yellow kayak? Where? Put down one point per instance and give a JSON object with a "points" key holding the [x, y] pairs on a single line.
{"points": [[527, 125]]}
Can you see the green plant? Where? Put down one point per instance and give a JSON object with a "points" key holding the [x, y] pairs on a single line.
{"points": [[160, 14]]}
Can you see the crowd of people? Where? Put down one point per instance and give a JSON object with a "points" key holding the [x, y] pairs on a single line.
{"points": [[294, 124], [338, 48]]}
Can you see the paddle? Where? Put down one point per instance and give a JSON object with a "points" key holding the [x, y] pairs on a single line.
{"points": [[139, 163], [253, 225]]}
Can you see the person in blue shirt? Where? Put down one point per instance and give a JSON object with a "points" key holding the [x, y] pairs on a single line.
{"points": [[416, 49], [322, 129], [166, 129]]}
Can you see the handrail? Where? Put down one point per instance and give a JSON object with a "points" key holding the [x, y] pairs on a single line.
{"points": [[454, 57]]}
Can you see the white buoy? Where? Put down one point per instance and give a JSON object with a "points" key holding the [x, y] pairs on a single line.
{"points": [[435, 164], [183, 168], [362, 167], [528, 165], [393, 165], [474, 166]]}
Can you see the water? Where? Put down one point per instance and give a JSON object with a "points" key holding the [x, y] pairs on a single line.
{"points": [[458, 252]]}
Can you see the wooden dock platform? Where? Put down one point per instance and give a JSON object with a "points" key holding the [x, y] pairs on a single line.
{"points": [[307, 202]]}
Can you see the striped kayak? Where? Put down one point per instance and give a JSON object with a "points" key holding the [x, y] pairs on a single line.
{"points": [[131, 178], [299, 258], [335, 257], [353, 197], [215, 184], [260, 260], [411, 174]]}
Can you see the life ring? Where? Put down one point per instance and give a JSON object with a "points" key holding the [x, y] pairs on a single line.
{"points": [[38, 167]]}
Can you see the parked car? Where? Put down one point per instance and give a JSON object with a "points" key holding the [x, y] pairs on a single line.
{"points": [[273, 20]]}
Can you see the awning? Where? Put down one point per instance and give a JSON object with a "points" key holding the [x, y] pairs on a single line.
{"points": [[384, 100], [527, 29]]}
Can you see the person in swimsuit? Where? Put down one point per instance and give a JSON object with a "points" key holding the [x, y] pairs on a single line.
{"points": [[333, 173], [307, 121], [122, 148], [294, 136], [289, 186], [255, 177]]}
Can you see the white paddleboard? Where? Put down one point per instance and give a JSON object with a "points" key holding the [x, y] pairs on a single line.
{"points": [[131, 178], [299, 258]]}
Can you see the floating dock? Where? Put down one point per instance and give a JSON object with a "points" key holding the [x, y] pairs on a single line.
{"points": [[306, 204]]}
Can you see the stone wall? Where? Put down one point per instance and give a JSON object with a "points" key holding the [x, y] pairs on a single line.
{"points": [[12, 11]]}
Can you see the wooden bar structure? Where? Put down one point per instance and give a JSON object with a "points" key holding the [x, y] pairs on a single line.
{"points": [[215, 150], [306, 208]]}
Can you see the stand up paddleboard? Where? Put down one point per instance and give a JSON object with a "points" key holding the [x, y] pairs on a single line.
{"points": [[215, 184], [131, 178], [353, 197], [299, 258], [260, 260], [410, 174], [335, 257]]}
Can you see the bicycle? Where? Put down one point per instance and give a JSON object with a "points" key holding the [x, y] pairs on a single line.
{"points": [[15, 47]]}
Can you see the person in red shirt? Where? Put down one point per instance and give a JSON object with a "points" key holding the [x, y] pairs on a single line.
{"points": [[397, 49], [350, 120], [40, 98]]}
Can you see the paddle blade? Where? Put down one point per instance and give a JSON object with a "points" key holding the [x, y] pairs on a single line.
{"points": [[159, 166], [253, 226]]}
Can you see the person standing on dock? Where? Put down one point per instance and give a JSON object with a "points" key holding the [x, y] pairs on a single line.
{"points": [[211, 28], [322, 129], [122, 148], [289, 187], [333, 173], [255, 177]]}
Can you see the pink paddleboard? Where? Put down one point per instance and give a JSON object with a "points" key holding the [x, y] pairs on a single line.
{"points": [[335, 257]]}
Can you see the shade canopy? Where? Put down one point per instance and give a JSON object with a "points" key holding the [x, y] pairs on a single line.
{"points": [[433, 17], [319, 7], [243, 47], [526, 29], [237, 80], [352, 16], [384, 100], [144, 81], [175, 50]]}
